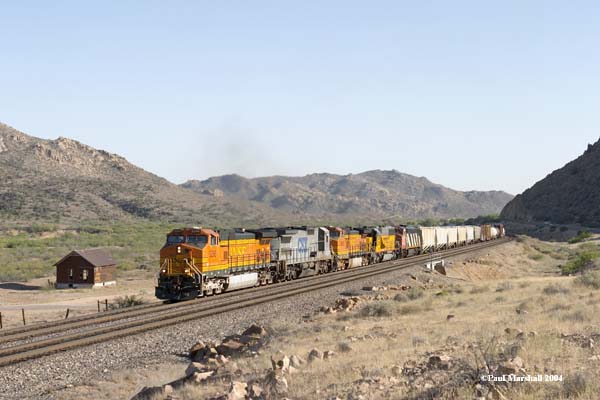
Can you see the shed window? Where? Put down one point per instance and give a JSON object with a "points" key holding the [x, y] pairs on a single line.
{"points": [[71, 273], [84, 274], [213, 240]]}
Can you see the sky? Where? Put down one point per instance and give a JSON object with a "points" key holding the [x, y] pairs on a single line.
{"points": [[472, 95]]}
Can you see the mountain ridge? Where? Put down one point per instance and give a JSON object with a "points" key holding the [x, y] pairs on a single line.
{"points": [[63, 180], [567, 195], [380, 193]]}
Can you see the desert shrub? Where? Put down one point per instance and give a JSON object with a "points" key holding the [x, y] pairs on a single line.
{"points": [[581, 236], [525, 305], [479, 289], [500, 299], [409, 309], [417, 341], [576, 385], [576, 316], [379, 309], [344, 347], [579, 263], [126, 301], [456, 289], [411, 294], [555, 289], [504, 286], [535, 256], [589, 279]]}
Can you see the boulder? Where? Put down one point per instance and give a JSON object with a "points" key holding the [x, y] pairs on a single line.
{"points": [[148, 393], [199, 377], [449, 317], [439, 361], [328, 354], [195, 349], [315, 354], [275, 385], [195, 367], [237, 391], [396, 370], [229, 347], [255, 391], [255, 330], [280, 361], [296, 361]]}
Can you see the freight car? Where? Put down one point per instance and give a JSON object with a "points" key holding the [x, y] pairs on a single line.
{"points": [[196, 262]]}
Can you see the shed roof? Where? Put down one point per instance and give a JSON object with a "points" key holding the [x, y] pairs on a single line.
{"points": [[96, 257]]}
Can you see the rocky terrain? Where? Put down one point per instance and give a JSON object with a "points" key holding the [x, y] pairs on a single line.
{"points": [[413, 334], [63, 180], [569, 195], [374, 195]]}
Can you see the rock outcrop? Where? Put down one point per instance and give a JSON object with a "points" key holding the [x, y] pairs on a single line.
{"points": [[569, 195]]}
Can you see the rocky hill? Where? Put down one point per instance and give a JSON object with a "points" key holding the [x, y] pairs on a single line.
{"points": [[66, 181], [569, 195], [63, 180], [372, 195]]}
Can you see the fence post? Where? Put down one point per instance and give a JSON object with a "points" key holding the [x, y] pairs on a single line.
{"points": [[105, 304], [23, 314], [67, 316], [98, 305], [0, 320]]}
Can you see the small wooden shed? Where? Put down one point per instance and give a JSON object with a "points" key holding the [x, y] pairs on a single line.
{"points": [[86, 268]]}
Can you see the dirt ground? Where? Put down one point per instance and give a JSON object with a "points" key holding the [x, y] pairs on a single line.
{"points": [[43, 303]]}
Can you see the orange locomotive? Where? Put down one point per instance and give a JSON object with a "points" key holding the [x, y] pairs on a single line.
{"points": [[196, 262]]}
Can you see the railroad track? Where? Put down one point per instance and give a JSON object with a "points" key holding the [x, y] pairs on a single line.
{"points": [[40, 340]]}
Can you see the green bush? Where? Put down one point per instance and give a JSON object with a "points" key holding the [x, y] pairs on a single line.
{"points": [[580, 262], [581, 236], [535, 256], [126, 301]]}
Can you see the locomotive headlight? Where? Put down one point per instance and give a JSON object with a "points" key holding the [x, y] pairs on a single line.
{"points": [[164, 271], [178, 249], [187, 270]]}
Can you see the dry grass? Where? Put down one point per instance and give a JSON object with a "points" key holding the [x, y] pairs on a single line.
{"points": [[405, 327]]}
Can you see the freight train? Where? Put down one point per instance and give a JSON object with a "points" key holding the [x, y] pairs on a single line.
{"points": [[196, 262]]}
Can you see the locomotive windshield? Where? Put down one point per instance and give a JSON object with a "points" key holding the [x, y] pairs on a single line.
{"points": [[175, 239], [197, 240]]}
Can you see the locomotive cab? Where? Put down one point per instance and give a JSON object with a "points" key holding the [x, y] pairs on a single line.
{"points": [[181, 260]]}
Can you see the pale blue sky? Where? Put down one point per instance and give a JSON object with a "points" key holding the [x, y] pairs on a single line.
{"points": [[471, 94]]}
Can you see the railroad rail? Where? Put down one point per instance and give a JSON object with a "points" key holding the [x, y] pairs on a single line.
{"points": [[19, 345]]}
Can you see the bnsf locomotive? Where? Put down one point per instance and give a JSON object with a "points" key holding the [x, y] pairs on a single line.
{"points": [[197, 262]]}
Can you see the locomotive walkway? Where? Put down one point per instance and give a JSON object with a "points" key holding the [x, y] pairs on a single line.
{"points": [[36, 341]]}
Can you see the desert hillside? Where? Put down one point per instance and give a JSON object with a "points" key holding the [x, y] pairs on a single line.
{"points": [[63, 180], [378, 195], [569, 195]]}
